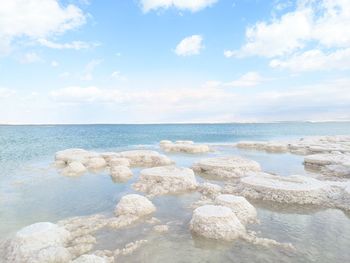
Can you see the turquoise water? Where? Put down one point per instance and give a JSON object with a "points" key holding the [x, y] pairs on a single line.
{"points": [[31, 189]]}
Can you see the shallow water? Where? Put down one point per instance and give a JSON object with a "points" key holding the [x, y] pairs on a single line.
{"points": [[31, 190]]}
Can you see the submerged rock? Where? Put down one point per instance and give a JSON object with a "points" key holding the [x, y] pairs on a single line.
{"points": [[166, 180], [294, 189], [40, 242], [71, 155], [245, 212], [91, 259], [216, 222], [226, 167], [330, 164], [146, 158], [183, 146], [134, 205], [120, 173], [273, 147], [161, 228]]}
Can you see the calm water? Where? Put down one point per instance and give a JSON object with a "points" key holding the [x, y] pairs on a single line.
{"points": [[31, 190]]}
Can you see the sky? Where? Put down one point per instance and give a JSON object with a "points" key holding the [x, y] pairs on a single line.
{"points": [[174, 61]]}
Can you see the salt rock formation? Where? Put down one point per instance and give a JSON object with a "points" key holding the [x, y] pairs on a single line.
{"points": [[146, 158], [40, 242], [108, 156], [216, 222], [273, 147], [97, 163], [74, 168], [161, 228], [166, 180], [120, 173], [134, 205], [245, 212], [117, 161], [209, 189], [183, 146], [294, 189], [332, 164], [91, 259], [71, 155], [226, 167]]}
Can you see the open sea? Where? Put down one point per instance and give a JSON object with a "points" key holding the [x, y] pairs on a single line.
{"points": [[32, 190]]}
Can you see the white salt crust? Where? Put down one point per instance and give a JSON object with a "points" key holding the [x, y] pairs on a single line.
{"points": [[183, 146]]}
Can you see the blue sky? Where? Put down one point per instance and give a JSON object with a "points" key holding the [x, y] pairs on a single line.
{"points": [[161, 61]]}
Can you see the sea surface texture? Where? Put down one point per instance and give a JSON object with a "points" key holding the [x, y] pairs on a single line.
{"points": [[33, 190]]}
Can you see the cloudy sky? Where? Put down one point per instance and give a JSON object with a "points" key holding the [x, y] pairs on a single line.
{"points": [[161, 61]]}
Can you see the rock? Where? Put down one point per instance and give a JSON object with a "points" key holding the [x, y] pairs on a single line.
{"points": [[226, 167], [90, 259], [274, 147], [120, 173], [119, 162], [161, 228], [183, 146], [146, 158], [216, 222], [135, 205], [108, 156], [39, 242], [330, 164], [209, 189], [245, 212], [294, 189], [74, 169], [71, 155], [96, 163], [166, 180]]}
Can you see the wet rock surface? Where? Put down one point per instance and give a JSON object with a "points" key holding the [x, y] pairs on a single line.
{"points": [[183, 146], [226, 167]]}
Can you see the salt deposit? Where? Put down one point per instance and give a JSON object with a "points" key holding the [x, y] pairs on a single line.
{"points": [[330, 164], [74, 168], [120, 173], [183, 146], [166, 180], [226, 167], [145, 158], [136, 205]]}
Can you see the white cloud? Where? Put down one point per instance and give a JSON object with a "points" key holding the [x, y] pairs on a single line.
{"points": [[249, 79], [54, 64], [89, 69], [317, 30], [118, 75], [189, 46], [5, 93], [192, 5], [36, 19], [315, 60], [77, 45], [30, 57]]}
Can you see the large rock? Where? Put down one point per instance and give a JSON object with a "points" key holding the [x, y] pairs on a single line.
{"points": [[295, 189], [96, 163], [245, 212], [330, 164], [183, 146], [40, 242], [226, 167], [146, 158], [134, 205], [118, 161], [90, 259], [71, 155], [74, 169], [166, 179], [273, 147], [216, 222]]}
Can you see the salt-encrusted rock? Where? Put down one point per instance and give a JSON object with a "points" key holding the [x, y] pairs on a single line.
{"points": [[74, 169], [166, 180], [135, 205], [245, 212], [90, 259], [161, 228], [108, 156], [226, 167], [332, 164], [40, 242], [71, 155], [120, 173], [117, 161], [276, 147], [183, 146], [97, 163], [209, 189], [146, 158], [216, 222], [294, 189]]}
